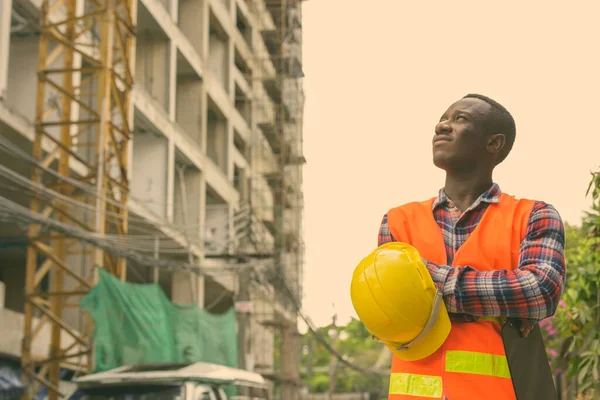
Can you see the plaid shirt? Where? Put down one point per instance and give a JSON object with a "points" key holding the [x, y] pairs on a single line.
{"points": [[532, 291]]}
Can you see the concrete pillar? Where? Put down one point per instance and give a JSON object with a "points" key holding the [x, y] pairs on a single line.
{"points": [[132, 66], [187, 288], [229, 147], [174, 9], [230, 62], [172, 79], [5, 12], [202, 221], [2, 295], [230, 227], [204, 119], [205, 26], [202, 206], [231, 88], [170, 180], [290, 362], [200, 291], [181, 287], [243, 320], [231, 7]]}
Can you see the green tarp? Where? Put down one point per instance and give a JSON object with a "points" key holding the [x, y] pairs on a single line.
{"points": [[137, 324]]}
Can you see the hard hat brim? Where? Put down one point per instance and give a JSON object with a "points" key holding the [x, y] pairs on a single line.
{"points": [[430, 342]]}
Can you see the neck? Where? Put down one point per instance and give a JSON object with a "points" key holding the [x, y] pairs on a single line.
{"points": [[464, 188]]}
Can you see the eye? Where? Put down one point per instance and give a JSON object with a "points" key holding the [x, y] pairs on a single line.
{"points": [[461, 117]]}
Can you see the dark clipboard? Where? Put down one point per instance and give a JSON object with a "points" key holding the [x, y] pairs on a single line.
{"points": [[528, 363]]}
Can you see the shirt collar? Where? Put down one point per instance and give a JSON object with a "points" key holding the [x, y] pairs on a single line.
{"points": [[492, 195]]}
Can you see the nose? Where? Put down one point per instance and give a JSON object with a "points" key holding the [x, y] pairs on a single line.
{"points": [[443, 128]]}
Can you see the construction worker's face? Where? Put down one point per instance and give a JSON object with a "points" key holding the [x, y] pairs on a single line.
{"points": [[461, 139]]}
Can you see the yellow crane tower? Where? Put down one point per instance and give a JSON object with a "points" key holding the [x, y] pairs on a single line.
{"points": [[84, 119]]}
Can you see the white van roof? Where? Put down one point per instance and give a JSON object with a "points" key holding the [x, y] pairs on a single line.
{"points": [[200, 372]]}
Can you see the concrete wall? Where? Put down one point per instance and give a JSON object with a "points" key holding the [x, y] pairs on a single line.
{"points": [[216, 231], [218, 59], [152, 66], [150, 166], [22, 85], [187, 289], [186, 213], [193, 16], [189, 107], [21, 90], [13, 275], [5, 11], [217, 142]]}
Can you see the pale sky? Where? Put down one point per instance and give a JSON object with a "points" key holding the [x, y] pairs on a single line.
{"points": [[379, 74]]}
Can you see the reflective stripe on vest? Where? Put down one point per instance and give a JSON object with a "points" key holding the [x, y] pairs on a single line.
{"points": [[416, 385], [499, 320], [465, 362], [469, 362]]}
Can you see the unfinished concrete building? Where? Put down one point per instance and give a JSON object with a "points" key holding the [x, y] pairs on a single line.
{"points": [[160, 140]]}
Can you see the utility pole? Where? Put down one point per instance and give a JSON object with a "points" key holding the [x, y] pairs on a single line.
{"points": [[243, 316], [332, 361]]}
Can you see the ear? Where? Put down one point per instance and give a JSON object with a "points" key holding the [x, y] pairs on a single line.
{"points": [[496, 143]]}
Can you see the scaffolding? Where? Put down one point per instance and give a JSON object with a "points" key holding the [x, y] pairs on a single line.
{"points": [[276, 182], [84, 118]]}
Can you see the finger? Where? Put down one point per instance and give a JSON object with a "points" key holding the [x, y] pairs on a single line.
{"points": [[525, 327]]}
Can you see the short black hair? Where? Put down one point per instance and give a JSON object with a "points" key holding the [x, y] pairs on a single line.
{"points": [[500, 122]]}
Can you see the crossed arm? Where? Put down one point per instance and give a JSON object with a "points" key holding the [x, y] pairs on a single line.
{"points": [[532, 291]]}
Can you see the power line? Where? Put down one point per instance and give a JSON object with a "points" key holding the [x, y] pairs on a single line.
{"points": [[288, 293], [13, 212], [127, 246]]}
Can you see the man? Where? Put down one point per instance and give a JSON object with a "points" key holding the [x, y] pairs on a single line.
{"points": [[492, 256]]}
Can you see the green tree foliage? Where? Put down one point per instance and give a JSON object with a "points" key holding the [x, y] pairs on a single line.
{"points": [[573, 334], [355, 344]]}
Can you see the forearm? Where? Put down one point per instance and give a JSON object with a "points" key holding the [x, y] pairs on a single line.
{"points": [[531, 291]]}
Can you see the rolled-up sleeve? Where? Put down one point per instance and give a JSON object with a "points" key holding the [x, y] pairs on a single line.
{"points": [[531, 291], [385, 235]]}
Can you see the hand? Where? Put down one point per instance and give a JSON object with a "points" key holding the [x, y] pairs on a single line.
{"points": [[525, 326]]}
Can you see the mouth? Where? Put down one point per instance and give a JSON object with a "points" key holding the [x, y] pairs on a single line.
{"points": [[441, 139]]}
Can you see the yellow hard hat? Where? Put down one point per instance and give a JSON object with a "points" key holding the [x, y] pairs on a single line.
{"points": [[398, 302]]}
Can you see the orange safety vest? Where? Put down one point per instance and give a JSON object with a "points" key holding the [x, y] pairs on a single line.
{"points": [[471, 364]]}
